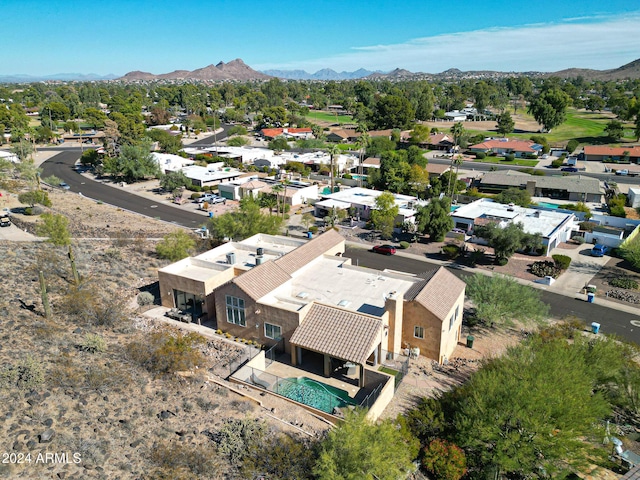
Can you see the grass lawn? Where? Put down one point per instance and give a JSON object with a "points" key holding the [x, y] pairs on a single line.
{"points": [[521, 162], [315, 116], [586, 127]]}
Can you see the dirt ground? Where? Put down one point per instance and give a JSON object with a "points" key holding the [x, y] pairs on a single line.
{"points": [[617, 268]]}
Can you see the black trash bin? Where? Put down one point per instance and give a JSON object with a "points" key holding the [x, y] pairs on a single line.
{"points": [[470, 339]]}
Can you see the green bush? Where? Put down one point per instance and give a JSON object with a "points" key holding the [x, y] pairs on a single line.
{"points": [[195, 196], [587, 226], [501, 262], [451, 251], [509, 157], [313, 229], [562, 261], [404, 245], [481, 155], [578, 239], [624, 282], [347, 176], [572, 145], [557, 163]]}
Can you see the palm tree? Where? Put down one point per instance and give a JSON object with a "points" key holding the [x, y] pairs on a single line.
{"points": [[285, 182], [277, 189], [457, 131], [334, 151], [362, 143], [268, 201]]}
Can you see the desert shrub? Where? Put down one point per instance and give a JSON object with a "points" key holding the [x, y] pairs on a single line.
{"points": [[579, 239], [176, 245], [624, 282], [347, 176], [313, 229], [93, 307], [236, 436], [562, 261], [404, 245], [93, 343], [145, 298], [27, 374], [481, 155], [195, 196], [501, 262], [177, 460], [476, 256], [167, 352], [444, 460], [587, 226], [545, 268], [451, 251]]}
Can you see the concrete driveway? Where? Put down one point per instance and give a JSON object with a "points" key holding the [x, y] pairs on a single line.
{"points": [[14, 234], [582, 269]]}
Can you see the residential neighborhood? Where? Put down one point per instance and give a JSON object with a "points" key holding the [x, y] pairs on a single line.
{"points": [[241, 272]]}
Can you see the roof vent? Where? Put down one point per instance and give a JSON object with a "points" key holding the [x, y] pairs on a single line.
{"points": [[259, 260], [231, 258], [302, 295], [344, 303]]}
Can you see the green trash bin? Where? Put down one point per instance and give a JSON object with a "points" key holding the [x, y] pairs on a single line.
{"points": [[470, 339]]}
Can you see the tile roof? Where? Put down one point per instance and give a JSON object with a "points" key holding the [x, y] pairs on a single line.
{"points": [[440, 293], [371, 161], [514, 145], [274, 132], [415, 289], [261, 280], [614, 151], [570, 183], [315, 248], [252, 185], [633, 474], [346, 335]]}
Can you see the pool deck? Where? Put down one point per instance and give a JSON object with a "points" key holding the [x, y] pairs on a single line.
{"points": [[311, 369]]}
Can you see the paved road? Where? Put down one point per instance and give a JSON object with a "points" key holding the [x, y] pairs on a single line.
{"points": [[486, 167], [61, 166], [612, 321]]}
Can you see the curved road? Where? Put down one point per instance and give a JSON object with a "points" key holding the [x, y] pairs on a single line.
{"points": [[61, 165], [612, 321]]}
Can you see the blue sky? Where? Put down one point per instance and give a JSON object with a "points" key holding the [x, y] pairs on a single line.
{"points": [[118, 36]]}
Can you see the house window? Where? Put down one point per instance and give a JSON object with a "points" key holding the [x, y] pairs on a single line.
{"points": [[418, 332], [272, 331], [235, 311], [452, 320]]}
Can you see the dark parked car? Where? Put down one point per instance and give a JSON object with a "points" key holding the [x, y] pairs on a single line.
{"points": [[569, 169], [599, 250], [385, 249], [64, 186]]}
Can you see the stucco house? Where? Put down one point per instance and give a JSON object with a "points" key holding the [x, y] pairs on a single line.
{"points": [[577, 188], [505, 146], [600, 153], [309, 299]]}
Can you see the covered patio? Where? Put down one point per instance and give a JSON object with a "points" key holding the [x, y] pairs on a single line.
{"points": [[344, 339]]}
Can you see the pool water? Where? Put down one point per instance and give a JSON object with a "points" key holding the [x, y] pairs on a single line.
{"points": [[454, 207], [549, 205], [315, 394]]}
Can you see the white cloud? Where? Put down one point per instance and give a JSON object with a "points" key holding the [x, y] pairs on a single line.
{"points": [[598, 43]]}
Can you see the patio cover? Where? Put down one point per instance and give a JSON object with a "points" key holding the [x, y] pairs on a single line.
{"points": [[340, 333]]}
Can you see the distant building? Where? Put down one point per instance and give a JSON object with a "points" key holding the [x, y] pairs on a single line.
{"points": [[505, 146], [600, 153]]}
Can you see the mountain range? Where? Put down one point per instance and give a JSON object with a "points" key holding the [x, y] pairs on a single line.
{"points": [[237, 70]]}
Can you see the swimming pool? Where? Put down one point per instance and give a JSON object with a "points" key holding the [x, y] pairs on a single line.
{"points": [[315, 394], [549, 205], [454, 207]]}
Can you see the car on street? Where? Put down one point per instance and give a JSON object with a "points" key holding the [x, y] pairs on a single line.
{"points": [[64, 186], [384, 249], [569, 169], [5, 221], [599, 250], [622, 172], [209, 198]]}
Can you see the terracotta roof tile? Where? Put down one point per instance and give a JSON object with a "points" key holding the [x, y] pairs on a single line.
{"points": [[346, 335], [441, 293], [613, 151], [315, 248], [261, 280]]}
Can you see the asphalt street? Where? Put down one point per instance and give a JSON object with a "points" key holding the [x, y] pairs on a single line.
{"points": [[612, 321], [61, 165]]}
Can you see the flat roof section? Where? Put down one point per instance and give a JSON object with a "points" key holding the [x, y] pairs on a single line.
{"points": [[332, 281]]}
